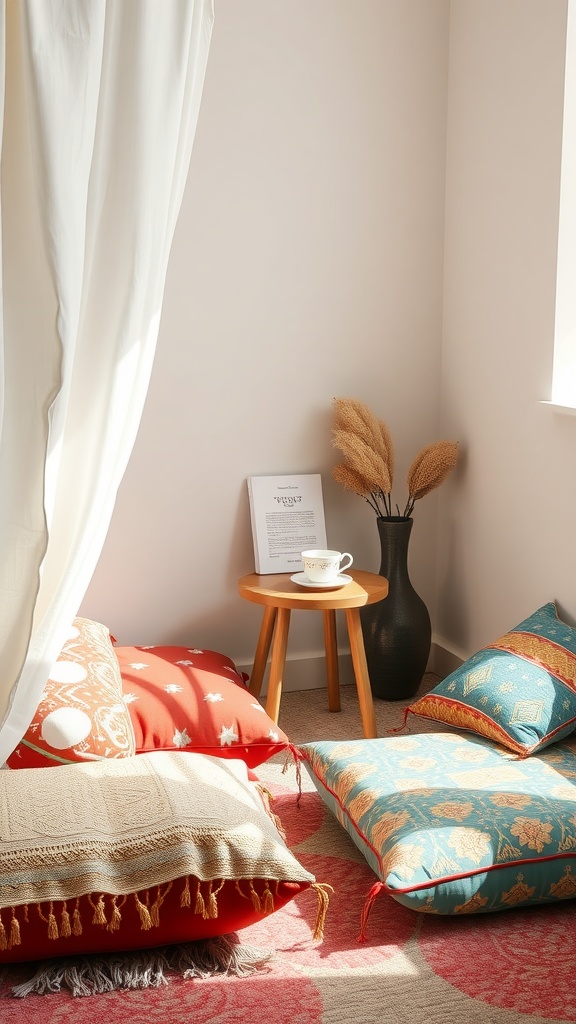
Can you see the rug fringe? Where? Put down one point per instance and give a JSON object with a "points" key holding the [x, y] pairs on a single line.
{"points": [[146, 968]]}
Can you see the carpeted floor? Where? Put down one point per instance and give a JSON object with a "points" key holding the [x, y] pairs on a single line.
{"points": [[515, 967], [304, 715]]}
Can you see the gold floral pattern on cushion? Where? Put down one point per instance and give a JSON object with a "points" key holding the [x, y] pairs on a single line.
{"points": [[518, 800], [472, 906], [81, 715], [470, 843], [404, 860], [566, 887], [483, 833], [532, 833], [455, 810], [519, 893]]}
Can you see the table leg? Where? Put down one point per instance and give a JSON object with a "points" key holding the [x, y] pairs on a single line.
{"points": [[331, 646], [277, 663], [361, 672], [262, 649]]}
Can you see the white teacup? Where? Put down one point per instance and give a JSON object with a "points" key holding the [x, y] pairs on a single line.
{"points": [[325, 566]]}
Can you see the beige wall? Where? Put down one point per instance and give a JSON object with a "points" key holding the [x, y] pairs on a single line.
{"points": [[507, 525], [307, 263]]}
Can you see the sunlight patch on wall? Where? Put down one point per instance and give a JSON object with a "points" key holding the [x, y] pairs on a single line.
{"points": [[564, 368]]}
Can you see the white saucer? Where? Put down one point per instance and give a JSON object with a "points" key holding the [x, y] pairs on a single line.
{"points": [[302, 580]]}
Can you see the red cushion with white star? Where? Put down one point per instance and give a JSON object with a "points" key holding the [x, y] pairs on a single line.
{"points": [[180, 698]]}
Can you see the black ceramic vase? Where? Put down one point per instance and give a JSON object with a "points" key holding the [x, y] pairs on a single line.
{"points": [[396, 631]]}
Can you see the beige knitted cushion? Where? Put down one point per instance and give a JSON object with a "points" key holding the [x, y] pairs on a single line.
{"points": [[191, 823], [127, 824]]}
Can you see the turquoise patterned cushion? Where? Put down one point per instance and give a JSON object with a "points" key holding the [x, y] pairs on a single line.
{"points": [[453, 824], [519, 691]]}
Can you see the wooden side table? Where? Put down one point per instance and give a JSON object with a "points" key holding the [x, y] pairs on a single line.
{"points": [[279, 596]]}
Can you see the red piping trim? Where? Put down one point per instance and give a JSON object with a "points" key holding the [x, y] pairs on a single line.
{"points": [[370, 899], [480, 871]]}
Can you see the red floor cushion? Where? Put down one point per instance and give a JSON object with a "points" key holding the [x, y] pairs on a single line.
{"points": [[138, 852], [180, 698], [102, 923]]}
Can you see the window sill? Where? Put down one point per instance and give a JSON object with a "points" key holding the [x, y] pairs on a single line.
{"points": [[565, 410]]}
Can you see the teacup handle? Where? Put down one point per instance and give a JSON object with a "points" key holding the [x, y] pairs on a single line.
{"points": [[343, 564]]}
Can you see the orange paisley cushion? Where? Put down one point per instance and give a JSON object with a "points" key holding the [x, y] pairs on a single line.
{"points": [[81, 715]]}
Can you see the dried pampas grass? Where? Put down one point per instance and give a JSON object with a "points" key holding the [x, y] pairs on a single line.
{"points": [[368, 467], [351, 479], [370, 464], [354, 417], [429, 469]]}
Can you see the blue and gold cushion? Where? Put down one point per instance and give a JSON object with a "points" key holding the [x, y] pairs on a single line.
{"points": [[453, 824], [519, 691]]}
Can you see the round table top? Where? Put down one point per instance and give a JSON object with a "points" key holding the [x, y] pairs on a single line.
{"points": [[279, 591]]}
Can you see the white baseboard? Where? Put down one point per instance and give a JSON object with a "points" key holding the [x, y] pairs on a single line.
{"points": [[443, 659], [309, 673]]}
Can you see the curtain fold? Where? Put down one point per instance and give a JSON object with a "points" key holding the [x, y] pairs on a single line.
{"points": [[101, 103]]}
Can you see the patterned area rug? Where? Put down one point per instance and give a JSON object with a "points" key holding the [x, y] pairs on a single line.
{"points": [[507, 968]]}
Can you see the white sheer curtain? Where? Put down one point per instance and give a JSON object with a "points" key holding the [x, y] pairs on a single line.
{"points": [[100, 102]]}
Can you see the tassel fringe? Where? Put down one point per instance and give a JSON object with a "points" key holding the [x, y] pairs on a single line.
{"points": [[256, 902], [321, 889], [98, 908], [14, 939], [370, 899], [65, 928], [297, 759], [145, 919], [267, 901], [155, 908], [76, 922], [151, 968], [199, 907], [400, 728], [267, 800], [106, 908], [116, 916], [185, 900]]}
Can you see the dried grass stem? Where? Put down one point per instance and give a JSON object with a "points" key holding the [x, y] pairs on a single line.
{"points": [[368, 467]]}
